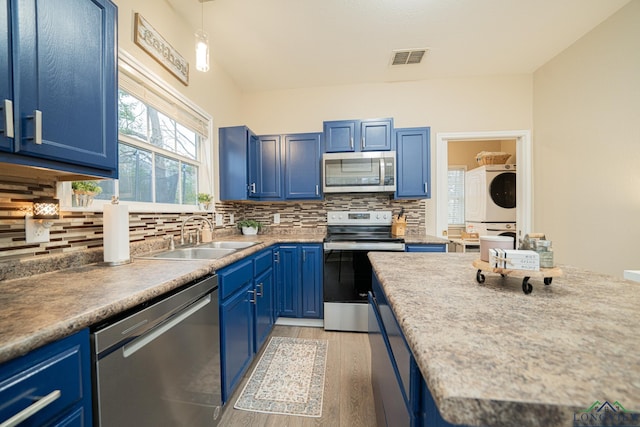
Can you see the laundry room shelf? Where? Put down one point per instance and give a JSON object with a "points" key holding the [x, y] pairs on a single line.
{"points": [[547, 274]]}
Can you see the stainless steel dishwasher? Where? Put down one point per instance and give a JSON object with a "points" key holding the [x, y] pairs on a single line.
{"points": [[160, 365]]}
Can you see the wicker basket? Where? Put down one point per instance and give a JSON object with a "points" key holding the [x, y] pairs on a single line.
{"points": [[492, 158]]}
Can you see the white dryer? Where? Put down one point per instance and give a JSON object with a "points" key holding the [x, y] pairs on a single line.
{"points": [[490, 194]]}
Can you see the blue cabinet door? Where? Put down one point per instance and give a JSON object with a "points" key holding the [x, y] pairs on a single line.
{"points": [[67, 88], [341, 136], [6, 82], [289, 281], [264, 307], [311, 276], [433, 247], [236, 338], [302, 166], [265, 168], [232, 149], [414, 163], [62, 368], [375, 134]]}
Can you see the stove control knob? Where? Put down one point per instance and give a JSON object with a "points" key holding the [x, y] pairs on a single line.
{"points": [[377, 216]]}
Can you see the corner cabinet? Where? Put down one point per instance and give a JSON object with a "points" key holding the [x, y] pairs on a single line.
{"points": [[358, 135], [413, 151], [299, 280], [303, 153], [55, 378], [59, 86], [265, 168]]}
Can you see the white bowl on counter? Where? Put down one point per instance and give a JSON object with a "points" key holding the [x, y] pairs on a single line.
{"points": [[494, 242]]}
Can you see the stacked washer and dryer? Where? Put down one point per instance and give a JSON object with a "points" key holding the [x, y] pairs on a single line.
{"points": [[490, 200]]}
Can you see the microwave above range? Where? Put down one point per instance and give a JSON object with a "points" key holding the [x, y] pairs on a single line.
{"points": [[373, 171]]}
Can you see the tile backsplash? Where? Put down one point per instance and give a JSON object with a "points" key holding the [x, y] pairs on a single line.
{"points": [[78, 235]]}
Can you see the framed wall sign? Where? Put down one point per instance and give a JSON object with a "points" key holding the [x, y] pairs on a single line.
{"points": [[159, 49]]}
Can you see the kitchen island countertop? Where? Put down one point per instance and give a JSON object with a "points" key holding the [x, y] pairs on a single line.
{"points": [[493, 356]]}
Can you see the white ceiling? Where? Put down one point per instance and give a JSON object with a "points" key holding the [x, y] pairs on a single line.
{"points": [[282, 44]]}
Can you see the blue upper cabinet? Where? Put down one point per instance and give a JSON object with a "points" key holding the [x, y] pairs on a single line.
{"points": [[6, 82], [64, 85], [232, 149], [414, 162], [265, 168], [358, 135], [375, 135], [341, 136], [302, 166]]}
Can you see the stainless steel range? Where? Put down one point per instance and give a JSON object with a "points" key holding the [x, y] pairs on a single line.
{"points": [[347, 271]]}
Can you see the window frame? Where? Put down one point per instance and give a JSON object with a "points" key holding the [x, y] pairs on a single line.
{"points": [[158, 89], [462, 168]]}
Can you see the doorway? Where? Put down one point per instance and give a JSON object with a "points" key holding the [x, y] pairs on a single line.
{"points": [[524, 175]]}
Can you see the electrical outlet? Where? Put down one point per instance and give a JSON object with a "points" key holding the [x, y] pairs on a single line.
{"points": [[219, 220], [232, 219], [276, 218]]}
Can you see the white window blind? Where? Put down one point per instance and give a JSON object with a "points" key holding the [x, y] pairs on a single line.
{"points": [[456, 195]]}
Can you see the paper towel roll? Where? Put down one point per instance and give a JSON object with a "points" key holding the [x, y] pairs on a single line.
{"points": [[116, 234]]}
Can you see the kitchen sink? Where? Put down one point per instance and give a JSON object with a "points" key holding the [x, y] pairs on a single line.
{"points": [[192, 253], [227, 245]]}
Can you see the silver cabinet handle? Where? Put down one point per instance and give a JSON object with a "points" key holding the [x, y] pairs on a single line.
{"points": [[364, 142], [317, 190], [304, 256], [261, 291], [32, 409], [135, 345], [253, 292], [253, 188], [276, 257], [7, 106], [351, 140], [425, 187], [37, 126]]}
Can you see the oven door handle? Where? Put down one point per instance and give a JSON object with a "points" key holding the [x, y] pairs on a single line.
{"points": [[140, 342]]}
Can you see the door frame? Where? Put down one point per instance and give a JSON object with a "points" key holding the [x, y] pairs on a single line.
{"points": [[524, 174]]}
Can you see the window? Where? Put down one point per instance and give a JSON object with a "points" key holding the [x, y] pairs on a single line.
{"points": [[163, 145], [456, 195], [159, 157]]}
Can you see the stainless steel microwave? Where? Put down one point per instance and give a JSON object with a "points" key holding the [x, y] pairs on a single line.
{"points": [[372, 171]]}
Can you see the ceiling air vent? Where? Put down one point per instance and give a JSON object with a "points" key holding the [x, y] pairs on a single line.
{"points": [[406, 57]]}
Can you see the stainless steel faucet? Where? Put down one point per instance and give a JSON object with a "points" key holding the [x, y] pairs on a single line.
{"points": [[189, 218]]}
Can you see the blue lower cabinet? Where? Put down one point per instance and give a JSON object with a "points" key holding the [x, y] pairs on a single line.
{"points": [[431, 247], [236, 336], [399, 390], [299, 280], [246, 314], [60, 373]]}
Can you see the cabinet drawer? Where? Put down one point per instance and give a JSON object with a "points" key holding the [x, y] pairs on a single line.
{"points": [[235, 277], [262, 262], [54, 373]]}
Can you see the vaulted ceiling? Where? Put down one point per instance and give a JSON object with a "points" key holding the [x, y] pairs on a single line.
{"points": [[282, 44]]}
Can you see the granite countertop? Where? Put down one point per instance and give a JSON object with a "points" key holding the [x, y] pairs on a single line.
{"points": [[417, 239], [493, 356], [46, 307]]}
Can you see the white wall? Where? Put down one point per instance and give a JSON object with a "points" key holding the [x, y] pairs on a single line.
{"points": [[447, 105], [587, 147]]}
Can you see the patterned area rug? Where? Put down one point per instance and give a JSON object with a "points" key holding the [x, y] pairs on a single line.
{"points": [[288, 379]]}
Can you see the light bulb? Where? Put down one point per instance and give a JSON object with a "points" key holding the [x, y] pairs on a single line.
{"points": [[202, 51]]}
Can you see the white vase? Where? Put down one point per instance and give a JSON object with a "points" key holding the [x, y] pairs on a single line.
{"points": [[249, 231]]}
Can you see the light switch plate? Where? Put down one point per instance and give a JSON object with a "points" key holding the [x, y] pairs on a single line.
{"points": [[276, 218], [219, 219]]}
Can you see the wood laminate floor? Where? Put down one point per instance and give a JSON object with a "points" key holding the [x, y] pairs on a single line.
{"points": [[348, 397]]}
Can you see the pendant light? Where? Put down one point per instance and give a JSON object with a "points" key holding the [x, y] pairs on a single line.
{"points": [[202, 45]]}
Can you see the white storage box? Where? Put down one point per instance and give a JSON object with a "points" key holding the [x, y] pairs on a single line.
{"points": [[512, 259]]}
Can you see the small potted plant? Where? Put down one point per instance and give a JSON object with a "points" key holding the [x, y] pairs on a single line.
{"points": [[249, 226], [85, 191], [204, 200]]}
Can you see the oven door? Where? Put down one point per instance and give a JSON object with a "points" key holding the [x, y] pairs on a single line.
{"points": [[347, 282]]}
